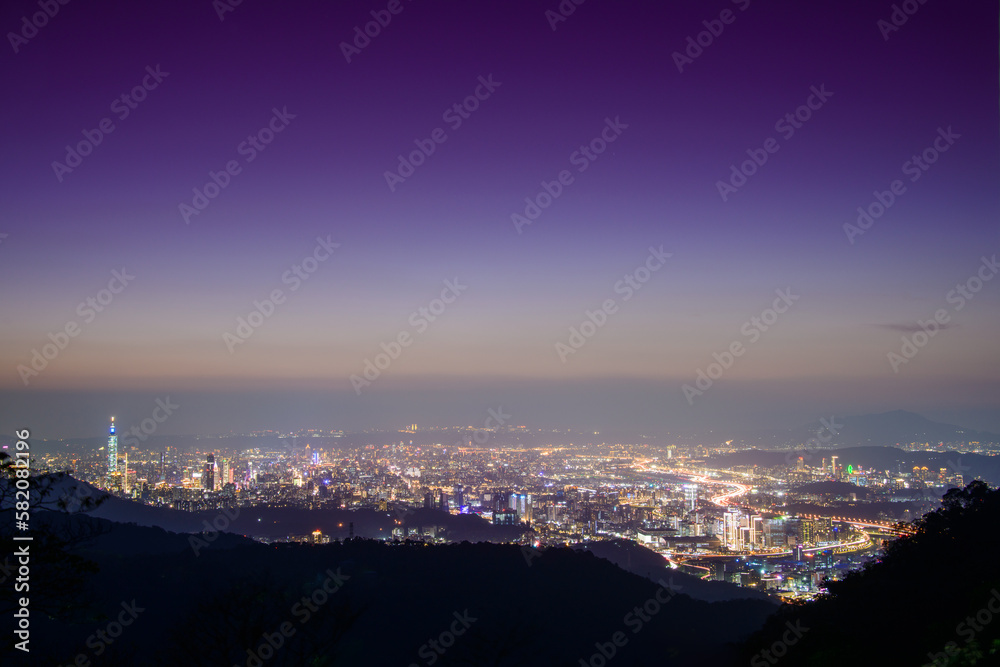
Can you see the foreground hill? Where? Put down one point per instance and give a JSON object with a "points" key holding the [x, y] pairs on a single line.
{"points": [[933, 599], [361, 602], [280, 522], [637, 559]]}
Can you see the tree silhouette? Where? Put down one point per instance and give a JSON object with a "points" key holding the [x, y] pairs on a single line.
{"points": [[52, 502], [907, 606]]}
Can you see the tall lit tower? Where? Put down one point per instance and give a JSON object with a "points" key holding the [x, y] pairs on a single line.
{"points": [[690, 497], [208, 476], [731, 529], [112, 449]]}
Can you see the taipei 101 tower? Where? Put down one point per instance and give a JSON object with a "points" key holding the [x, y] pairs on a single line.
{"points": [[112, 449]]}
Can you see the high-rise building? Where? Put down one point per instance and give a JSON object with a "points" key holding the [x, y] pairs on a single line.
{"points": [[690, 497], [208, 476], [521, 503], [112, 449], [732, 536], [807, 530], [125, 481], [756, 525]]}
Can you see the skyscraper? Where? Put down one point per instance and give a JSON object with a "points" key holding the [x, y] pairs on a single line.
{"points": [[112, 449], [756, 524], [690, 497], [208, 477], [521, 503], [732, 536]]}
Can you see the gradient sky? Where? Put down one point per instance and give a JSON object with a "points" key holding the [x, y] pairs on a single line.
{"points": [[656, 185]]}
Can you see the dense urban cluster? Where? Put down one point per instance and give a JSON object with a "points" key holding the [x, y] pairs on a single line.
{"points": [[785, 527]]}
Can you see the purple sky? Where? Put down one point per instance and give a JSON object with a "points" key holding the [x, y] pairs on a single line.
{"points": [[656, 184]]}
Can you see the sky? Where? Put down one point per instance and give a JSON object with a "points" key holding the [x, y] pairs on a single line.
{"points": [[675, 170]]}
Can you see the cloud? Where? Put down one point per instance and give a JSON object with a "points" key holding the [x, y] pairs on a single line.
{"points": [[912, 328]]}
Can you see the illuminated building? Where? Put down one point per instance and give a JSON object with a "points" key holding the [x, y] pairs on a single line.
{"points": [[690, 497], [208, 476], [731, 534], [125, 480], [521, 503], [112, 449], [505, 518], [756, 526], [806, 530]]}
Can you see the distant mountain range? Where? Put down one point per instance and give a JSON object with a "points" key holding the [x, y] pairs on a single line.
{"points": [[893, 459], [884, 429], [898, 427]]}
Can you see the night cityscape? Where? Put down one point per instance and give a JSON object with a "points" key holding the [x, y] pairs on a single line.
{"points": [[566, 333]]}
